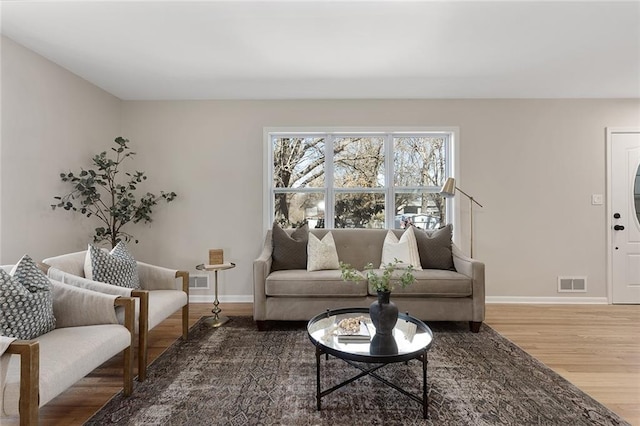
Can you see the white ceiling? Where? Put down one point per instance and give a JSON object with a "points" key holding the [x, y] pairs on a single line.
{"points": [[338, 49]]}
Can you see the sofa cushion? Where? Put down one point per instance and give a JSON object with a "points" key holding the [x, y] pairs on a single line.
{"points": [[322, 253], [435, 248], [289, 252], [163, 303], [405, 249], [357, 246], [434, 283], [117, 267], [26, 302], [327, 283]]}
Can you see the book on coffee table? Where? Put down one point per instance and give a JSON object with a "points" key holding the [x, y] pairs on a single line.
{"points": [[360, 336]]}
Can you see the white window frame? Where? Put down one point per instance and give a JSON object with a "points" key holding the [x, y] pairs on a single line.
{"points": [[452, 212]]}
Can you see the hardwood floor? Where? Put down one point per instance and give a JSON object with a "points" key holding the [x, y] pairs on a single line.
{"points": [[596, 347]]}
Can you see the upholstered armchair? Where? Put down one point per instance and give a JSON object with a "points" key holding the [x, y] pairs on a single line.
{"points": [[162, 292], [87, 333]]}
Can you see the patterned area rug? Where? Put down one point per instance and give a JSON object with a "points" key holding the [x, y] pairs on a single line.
{"points": [[236, 375]]}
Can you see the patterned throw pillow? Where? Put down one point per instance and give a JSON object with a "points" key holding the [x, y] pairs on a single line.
{"points": [[435, 248], [117, 267], [322, 254], [26, 302], [289, 252], [405, 250]]}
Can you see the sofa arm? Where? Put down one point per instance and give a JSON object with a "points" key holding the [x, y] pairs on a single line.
{"points": [[72, 263], [473, 269], [141, 296], [261, 269], [76, 281], [74, 306], [29, 351], [158, 278]]}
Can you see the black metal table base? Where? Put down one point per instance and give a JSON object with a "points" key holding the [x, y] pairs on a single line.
{"points": [[372, 372]]}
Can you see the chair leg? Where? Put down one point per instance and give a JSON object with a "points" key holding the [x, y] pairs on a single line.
{"points": [[129, 322], [185, 309], [28, 407], [143, 352], [143, 335], [185, 322], [128, 371]]}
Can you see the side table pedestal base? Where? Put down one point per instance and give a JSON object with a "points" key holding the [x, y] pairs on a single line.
{"points": [[216, 322]]}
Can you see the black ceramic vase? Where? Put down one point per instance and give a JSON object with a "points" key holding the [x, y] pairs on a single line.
{"points": [[384, 314], [383, 344]]}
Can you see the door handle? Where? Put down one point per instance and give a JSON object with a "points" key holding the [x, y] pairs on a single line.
{"points": [[618, 228]]}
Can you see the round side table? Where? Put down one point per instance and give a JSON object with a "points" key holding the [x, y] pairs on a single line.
{"points": [[216, 320]]}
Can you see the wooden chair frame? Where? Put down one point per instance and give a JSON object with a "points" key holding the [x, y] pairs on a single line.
{"points": [[29, 351], [143, 326], [143, 323]]}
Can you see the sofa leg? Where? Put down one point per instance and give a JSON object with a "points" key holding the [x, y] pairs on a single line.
{"points": [[474, 326], [262, 325]]}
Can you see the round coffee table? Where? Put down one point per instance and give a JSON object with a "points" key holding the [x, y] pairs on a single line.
{"points": [[411, 339]]}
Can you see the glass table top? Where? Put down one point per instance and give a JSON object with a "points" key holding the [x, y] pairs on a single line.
{"points": [[410, 336]]}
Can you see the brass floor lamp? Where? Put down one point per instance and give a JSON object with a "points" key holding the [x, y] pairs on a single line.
{"points": [[449, 190]]}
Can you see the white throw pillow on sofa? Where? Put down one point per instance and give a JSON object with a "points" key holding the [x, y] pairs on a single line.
{"points": [[405, 249], [322, 254]]}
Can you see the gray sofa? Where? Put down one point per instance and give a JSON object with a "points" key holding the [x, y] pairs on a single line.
{"points": [[437, 294]]}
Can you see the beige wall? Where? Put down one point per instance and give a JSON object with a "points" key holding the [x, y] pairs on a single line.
{"points": [[533, 164], [52, 121]]}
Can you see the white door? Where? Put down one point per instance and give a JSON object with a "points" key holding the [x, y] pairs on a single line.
{"points": [[625, 216]]}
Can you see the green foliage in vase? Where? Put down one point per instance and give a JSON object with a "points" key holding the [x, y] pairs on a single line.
{"points": [[384, 281], [97, 192]]}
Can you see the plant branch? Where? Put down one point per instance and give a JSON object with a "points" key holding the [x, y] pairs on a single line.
{"points": [[120, 205]]}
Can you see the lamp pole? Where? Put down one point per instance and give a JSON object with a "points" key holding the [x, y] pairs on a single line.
{"points": [[471, 201], [449, 190]]}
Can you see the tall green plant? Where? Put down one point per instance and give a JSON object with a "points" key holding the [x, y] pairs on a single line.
{"points": [[97, 192]]}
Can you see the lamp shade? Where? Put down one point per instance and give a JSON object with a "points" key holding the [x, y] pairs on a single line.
{"points": [[449, 188]]}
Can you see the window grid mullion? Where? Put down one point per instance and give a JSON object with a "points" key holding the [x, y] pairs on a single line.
{"points": [[329, 202], [389, 202], [450, 201]]}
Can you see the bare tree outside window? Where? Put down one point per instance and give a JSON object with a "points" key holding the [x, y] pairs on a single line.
{"points": [[360, 165], [297, 163], [419, 170], [360, 182]]}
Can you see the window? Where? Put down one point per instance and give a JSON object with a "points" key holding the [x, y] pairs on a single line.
{"points": [[359, 180]]}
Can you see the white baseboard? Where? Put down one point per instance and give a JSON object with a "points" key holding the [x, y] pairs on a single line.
{"points": [[208, 298], [548, 300]]}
